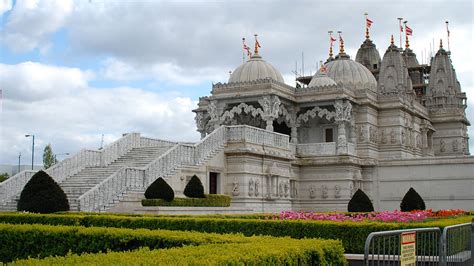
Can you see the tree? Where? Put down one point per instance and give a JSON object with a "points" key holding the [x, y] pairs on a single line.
{"points": [[42, 195], [194, 188], [159, 190], [412, 201], [4, 177], [360, 202], [48, 157]]}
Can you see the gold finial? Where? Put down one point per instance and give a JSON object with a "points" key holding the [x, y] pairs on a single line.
{"points": [[341, 43], [407, 44], [257, 45], [392, 42], [331, 43], [440, 43]]}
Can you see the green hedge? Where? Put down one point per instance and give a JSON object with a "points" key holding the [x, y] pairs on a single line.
{"points": [[352, 234], [22, 241], [275, 251], [210, 200]]}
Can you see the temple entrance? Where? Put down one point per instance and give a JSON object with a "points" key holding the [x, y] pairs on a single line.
{"points": [[213, 182]]}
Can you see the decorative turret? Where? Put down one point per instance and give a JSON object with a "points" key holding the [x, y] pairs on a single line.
{"points": [[369, 56], [443, 88], [393, 76], [446, 104]]}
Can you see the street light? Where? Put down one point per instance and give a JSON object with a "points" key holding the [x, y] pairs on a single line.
{"points": [[32, 150], [55, 160]]}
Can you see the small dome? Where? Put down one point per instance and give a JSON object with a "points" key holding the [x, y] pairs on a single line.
{"points": [[321, 79], [350, 74], [255, 68], [368, 55]]}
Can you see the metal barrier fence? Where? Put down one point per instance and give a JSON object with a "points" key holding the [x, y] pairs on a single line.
{"points": [[457, 246], [387, 248], [421, 246]]}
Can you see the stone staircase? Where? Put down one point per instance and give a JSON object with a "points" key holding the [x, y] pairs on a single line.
{"points": [[86, 179]]}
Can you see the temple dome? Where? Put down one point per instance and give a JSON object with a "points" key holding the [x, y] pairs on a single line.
{"points": [[255, 68], [321, 79], [350, 74]]}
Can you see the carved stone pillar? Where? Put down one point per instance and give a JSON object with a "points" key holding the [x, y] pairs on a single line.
{"points": [[343, 116], [271, 108], [341, 138], [294, 134], [269, 124]]}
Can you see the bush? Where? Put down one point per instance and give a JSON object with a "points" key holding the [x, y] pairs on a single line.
{"points": [[352, 234], [412, 201], [159, 190], [43, 195], [210, 200], [266, 251], [194, 188], [22, 241], [360, 202]]}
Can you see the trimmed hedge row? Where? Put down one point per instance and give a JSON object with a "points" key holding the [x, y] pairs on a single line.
{"points": [[352, 234], [275, 251], [210, 200], [22, 241]]}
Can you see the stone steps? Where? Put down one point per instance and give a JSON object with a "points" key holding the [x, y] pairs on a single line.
{"points": [[89, 177]]}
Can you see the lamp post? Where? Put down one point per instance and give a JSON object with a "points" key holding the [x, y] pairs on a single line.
{"points": [[32, 150], [19, 162], [55, 160]]}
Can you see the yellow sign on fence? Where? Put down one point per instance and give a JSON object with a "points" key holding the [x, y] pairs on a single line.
{"points": [[408, 249]]}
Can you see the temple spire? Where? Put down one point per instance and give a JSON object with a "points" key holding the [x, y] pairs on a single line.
{"points": [[341, 43], [331, 43], [392, 41], [440, 44]]}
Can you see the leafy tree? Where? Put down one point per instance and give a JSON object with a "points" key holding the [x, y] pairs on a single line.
{"points": [[48, 157], [194, 188], [412, 201], [159, 190], [42, 195], [360, 202], [4, 177]]}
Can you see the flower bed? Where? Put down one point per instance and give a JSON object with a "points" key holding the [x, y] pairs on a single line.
{"points": [[386, 216]]}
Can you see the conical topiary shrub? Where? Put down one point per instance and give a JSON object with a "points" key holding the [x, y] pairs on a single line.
{"points": [[42, 195], [159, 190], [360, 202], [194, 188], [412, 201]]}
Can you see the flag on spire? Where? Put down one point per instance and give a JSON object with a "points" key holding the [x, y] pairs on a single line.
{"points": [[332, 40], [257, 44], [246, 48], [401, 28], [408, 30], [369, 22]]}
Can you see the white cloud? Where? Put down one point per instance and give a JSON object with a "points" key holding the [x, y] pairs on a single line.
{"points": [[32, 21], [115, 69], [76, 118], [30, 81], [5, 5]]}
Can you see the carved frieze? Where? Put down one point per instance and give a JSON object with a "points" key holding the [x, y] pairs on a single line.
{"points": [[251, 187], [337, 191], [324, 191], [235, 188]]}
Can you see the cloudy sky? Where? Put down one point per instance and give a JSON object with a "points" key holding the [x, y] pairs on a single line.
{"points": [[71, 71]]}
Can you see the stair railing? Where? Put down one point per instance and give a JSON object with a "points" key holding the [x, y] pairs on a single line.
{"points": [[68, 167]]}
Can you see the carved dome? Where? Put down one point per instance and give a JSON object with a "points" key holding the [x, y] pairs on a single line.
{"points": [[255, 68], [410, 58], [350, 74], [321, 79]]}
